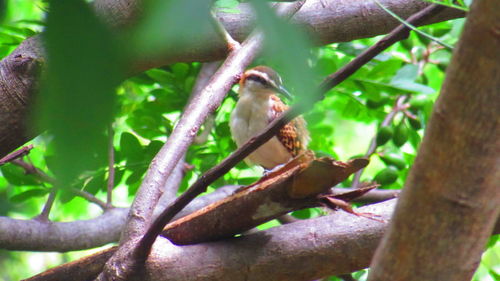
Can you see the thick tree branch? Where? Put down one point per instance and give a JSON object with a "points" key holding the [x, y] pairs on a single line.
{"points": [[29, 235], [326, 20], [450, 202], [33, 235], [330, 245], [36, 235]]}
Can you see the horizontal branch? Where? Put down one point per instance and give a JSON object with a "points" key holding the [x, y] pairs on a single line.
{"points": [[329, 245], [308, 249], [326, 21], [35, 235], [373, 196]]}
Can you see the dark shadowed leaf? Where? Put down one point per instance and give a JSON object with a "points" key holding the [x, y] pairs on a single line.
{"points": [[15, 175], [25, 195], [131, 148], [77, 98], [97, 182]]}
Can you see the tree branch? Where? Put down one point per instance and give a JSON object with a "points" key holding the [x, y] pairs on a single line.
{"points": [[213, 174], [37, 235], [327, 21], [33, 235], [312, 251], [111, 166], [373, 196], [44, 215], [30, 169], [450, 202]]}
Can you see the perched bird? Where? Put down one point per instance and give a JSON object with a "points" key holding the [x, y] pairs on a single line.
{"points": [[259, 105]]}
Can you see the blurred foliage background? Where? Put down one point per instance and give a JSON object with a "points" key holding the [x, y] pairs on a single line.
{"points": [[144, 109]]}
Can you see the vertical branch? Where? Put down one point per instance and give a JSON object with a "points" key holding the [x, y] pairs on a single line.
{"points": [[450, 202], [44, 215], [111, 166]]}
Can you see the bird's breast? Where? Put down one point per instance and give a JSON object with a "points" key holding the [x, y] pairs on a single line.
{"points": [[249, 118]]}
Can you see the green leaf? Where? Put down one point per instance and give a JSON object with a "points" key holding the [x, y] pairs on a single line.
{"points": [[408, 72], [161, 76], [130, 147], [180, 70], [95, 184], [302, 214], [16, 176], [78, 91], [28, 194], [413, 87]]}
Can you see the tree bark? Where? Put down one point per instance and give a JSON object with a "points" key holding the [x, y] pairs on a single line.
{"points": [[451, 201], [305, 250], [327, 21]]}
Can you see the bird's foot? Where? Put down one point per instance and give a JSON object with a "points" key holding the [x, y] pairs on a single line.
{"points": [[331, 202]]}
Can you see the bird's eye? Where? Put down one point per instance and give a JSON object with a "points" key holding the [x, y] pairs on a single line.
{"points": [[257, 78]]}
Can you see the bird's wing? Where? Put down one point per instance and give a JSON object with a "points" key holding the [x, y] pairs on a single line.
{"points": [[294, 135]]}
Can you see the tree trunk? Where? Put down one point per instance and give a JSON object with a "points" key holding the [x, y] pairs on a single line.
{"points": [[451, 200]]}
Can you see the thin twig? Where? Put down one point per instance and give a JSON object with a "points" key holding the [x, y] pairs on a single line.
{"points": [[373, 196], [398, 106], [32, 170], [16, 154], [412, 27], [331, 81], [111, 166], [44, 215], [90, 197]]}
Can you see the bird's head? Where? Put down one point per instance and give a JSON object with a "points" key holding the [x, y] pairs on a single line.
{"points": [[262, 81]]}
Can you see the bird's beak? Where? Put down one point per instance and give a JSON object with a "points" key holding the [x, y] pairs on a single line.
{"points": [[282, 90]]}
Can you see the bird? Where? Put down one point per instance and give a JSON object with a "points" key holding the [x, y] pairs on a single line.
{"points": [[257, 106]]}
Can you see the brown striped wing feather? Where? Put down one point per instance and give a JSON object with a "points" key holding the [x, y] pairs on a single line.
{"points": [[294, 135]]}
